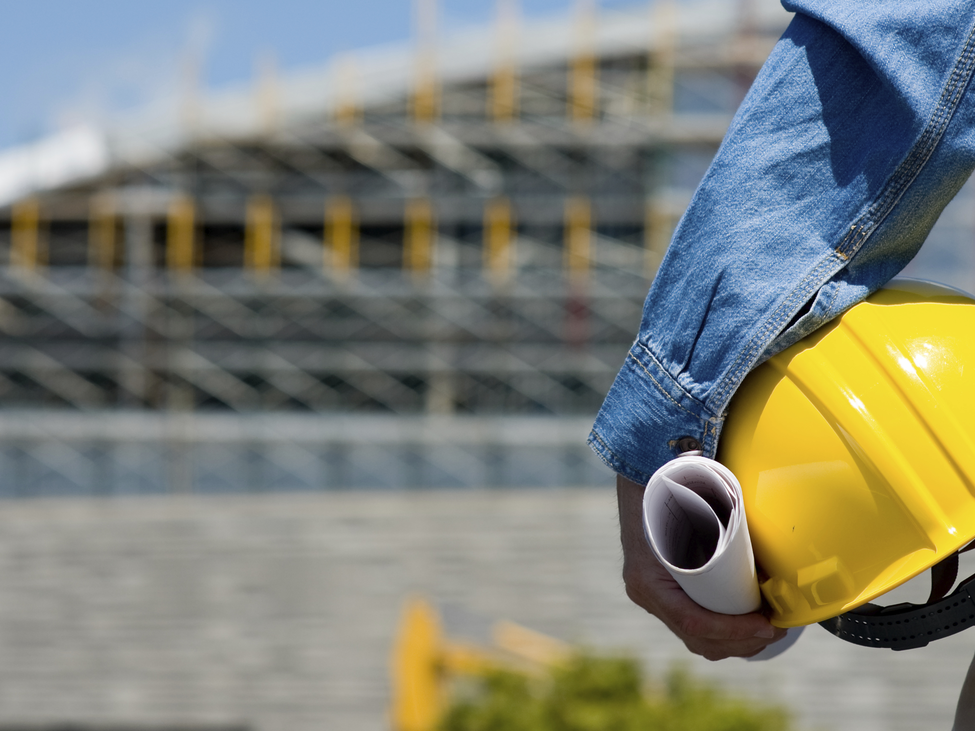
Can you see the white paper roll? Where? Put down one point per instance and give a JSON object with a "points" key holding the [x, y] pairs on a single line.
{"points": [[694, 519]]}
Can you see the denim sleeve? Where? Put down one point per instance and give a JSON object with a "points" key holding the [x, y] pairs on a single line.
{"points": [[856, 133]]}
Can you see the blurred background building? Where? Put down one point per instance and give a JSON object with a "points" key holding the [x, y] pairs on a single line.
{"points": [[405, 268], [401, 269]]}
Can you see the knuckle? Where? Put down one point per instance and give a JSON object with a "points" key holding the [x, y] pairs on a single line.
{"points": [[690, 626], [706, 650], [640, 598]]}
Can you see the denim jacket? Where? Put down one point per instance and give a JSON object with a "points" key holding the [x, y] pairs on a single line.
{"points": [[856, 133]]}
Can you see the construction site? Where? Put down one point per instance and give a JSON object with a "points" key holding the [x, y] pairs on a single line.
{"points": [[410, 267]]}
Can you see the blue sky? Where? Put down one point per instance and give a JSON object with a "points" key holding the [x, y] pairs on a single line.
{"points": [[66, 60]]}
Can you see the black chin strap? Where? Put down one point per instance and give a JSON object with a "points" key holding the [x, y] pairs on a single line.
{"points": [[906, 626]]}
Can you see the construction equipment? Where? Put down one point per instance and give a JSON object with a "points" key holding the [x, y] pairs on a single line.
{"points": [[423, 660]]}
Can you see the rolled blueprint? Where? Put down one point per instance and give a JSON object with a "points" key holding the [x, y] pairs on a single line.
{"points": [[695, 522]]}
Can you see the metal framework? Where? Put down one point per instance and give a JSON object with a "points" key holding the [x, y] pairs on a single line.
{"points": [[476, 247]]}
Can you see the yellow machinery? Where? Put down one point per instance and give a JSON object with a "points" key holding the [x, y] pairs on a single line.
{"points": [[423, 660]]}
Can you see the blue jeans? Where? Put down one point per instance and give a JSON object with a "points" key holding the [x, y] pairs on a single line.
{"points": [[857, 132]]}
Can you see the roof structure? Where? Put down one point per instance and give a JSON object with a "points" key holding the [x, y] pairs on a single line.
{"points": [[698, 33]]}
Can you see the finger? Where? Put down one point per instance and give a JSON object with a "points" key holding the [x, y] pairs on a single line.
{"points": [[691, 620], [719, 650], [656, 591], [714, 639], [725, 628], [651, 586]]}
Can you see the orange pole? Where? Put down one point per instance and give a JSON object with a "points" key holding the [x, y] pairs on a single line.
{"points": [[25, 234], [498, 248], [181, 235], [578, 236], [261, 236], [341, 244], [418, 236]]}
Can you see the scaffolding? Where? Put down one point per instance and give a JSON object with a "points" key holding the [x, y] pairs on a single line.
{"points": [[469, 248]]}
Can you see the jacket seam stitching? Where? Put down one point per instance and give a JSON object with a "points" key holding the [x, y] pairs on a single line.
{"points": [[832, 302], [663, 390], [614, 460]]}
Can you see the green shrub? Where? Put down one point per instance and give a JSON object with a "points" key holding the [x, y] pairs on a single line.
{"points": [[601, 693]]}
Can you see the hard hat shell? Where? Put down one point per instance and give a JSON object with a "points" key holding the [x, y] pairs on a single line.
{"points": [[855, 449]]}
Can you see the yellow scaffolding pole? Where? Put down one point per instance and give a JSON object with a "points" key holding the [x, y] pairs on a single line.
{"points": [[504, 85], [418, 240], [25, 240], [498, 242], [181, 235], [267, 93], [582, 93], [583, 71], [102, 237], [341, 240], [578, 236], [425, 100], [662, 56], [347, 112], [261, 236], [656, 237], [503, 100]]}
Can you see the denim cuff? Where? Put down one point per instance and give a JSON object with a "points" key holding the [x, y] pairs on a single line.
{"points": [[645, 417]]}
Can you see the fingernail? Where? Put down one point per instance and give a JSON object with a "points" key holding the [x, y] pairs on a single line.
{"points": [[767, 633]]}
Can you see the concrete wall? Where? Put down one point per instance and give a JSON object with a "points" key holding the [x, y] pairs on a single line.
{"points": [[277, 611]]}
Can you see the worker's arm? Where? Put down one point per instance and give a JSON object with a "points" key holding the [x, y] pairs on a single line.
{"points": [[855, 135], [857, 132], [715, 636]]}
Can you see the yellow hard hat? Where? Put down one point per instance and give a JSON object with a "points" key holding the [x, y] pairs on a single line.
{"points": [[855, 449]]}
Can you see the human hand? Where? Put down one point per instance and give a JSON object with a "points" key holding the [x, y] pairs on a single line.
{"points": [[649, 585]]}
